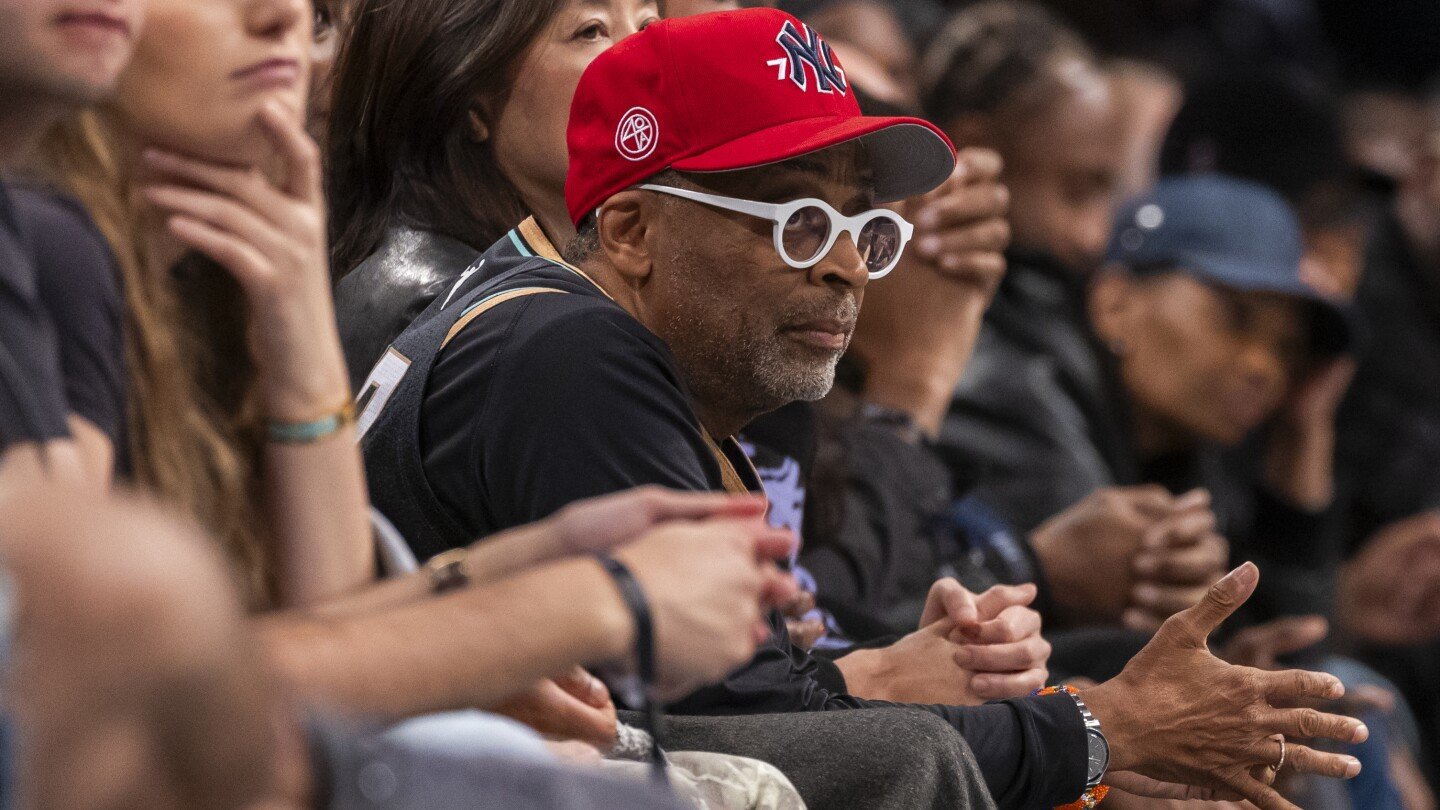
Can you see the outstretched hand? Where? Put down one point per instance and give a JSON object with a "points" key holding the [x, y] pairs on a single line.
{"points": [[1179, 716]]}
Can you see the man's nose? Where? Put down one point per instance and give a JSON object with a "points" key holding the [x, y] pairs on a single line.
{"points": [[842, 266]]}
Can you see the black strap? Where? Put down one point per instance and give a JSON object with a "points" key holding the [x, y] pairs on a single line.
{"points": [[639, 607]]}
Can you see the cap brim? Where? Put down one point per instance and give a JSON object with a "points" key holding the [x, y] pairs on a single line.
{"points": [[908, 156], [1333, 329]]}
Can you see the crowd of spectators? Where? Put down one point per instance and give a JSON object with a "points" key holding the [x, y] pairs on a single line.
{"points": [[702, 403]]}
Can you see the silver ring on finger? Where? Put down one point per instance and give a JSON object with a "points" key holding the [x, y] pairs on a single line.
{"points": [[1281, 763]]}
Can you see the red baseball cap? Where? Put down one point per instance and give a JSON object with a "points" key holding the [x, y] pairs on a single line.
{"points": [[731, 90]]}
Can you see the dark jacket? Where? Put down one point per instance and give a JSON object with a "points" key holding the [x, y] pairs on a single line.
{"points": [[885, 518], [1389, 431], [383, 294], [1042, 413]]}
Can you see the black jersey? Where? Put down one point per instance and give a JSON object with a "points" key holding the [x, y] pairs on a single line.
{"points": [[521, 390]]}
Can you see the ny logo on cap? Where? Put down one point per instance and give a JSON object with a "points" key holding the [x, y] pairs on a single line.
{"points": [[637, 134], [805, 47]]}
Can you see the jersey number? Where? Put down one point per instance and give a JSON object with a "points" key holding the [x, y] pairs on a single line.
{"points": [[378, 389]]}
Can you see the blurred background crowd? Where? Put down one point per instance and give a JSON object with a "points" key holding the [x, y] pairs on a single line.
{"points": [[1176, 309]]}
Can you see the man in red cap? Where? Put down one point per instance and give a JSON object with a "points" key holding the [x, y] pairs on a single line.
{"points": [[725, 188]]}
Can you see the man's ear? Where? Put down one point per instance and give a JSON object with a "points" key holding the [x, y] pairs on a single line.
{"points": [[624, 228], [1110, 306]]}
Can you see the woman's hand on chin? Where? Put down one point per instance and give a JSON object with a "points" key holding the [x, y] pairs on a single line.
{"points": [[271, 236]]}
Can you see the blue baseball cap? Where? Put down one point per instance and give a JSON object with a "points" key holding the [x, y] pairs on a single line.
{"points": [[1230, 232]]}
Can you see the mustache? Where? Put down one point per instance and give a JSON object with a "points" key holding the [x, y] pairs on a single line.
{"points": [[844, 310]]}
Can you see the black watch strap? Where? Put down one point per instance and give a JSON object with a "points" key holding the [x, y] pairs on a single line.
{"points": [[639, 607]]}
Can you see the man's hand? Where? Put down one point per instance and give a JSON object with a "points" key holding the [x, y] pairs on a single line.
{"points": [[1087, 552], [1390, 592], [961, 227], [920, 323], [1300, 454], [969, 649], [1179, 716], [1181, 556], [999, 636], [576, 706], [804, 632]]}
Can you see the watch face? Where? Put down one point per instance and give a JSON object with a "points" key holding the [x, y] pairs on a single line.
{"points": [[1099, 755]]}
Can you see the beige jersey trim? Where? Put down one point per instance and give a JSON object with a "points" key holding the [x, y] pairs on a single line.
{"points": [[489, 304]]}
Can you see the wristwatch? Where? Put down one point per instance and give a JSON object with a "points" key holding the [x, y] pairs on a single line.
{"points": [[1097, 751], [1097, 748]]}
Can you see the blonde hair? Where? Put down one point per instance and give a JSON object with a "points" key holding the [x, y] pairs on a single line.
{"points": [[193, 415]]}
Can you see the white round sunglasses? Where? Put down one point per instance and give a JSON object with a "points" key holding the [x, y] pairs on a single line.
{"points": [[806, 230]]}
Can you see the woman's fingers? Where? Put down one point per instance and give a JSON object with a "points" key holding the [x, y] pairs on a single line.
{"points": [[999, 597], [221, 212], [301, 155], [248, 186], [581, 685], [1013, 624], [235, 254]]}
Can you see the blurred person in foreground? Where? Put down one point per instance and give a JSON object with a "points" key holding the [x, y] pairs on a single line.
{"points": [[677, 316], [59, 56], [248, 241]]}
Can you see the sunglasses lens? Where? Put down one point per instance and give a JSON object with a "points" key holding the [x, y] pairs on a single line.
{"points": [[879, 243], [805, 233]]}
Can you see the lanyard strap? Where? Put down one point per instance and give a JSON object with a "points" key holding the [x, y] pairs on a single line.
{"points": [[639, 606]]}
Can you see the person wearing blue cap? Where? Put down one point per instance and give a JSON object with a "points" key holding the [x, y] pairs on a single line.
{"points": [[1201, 360], [1202, 335]]}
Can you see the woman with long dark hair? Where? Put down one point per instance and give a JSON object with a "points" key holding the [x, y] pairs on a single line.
{"points": [[447, 129]]}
